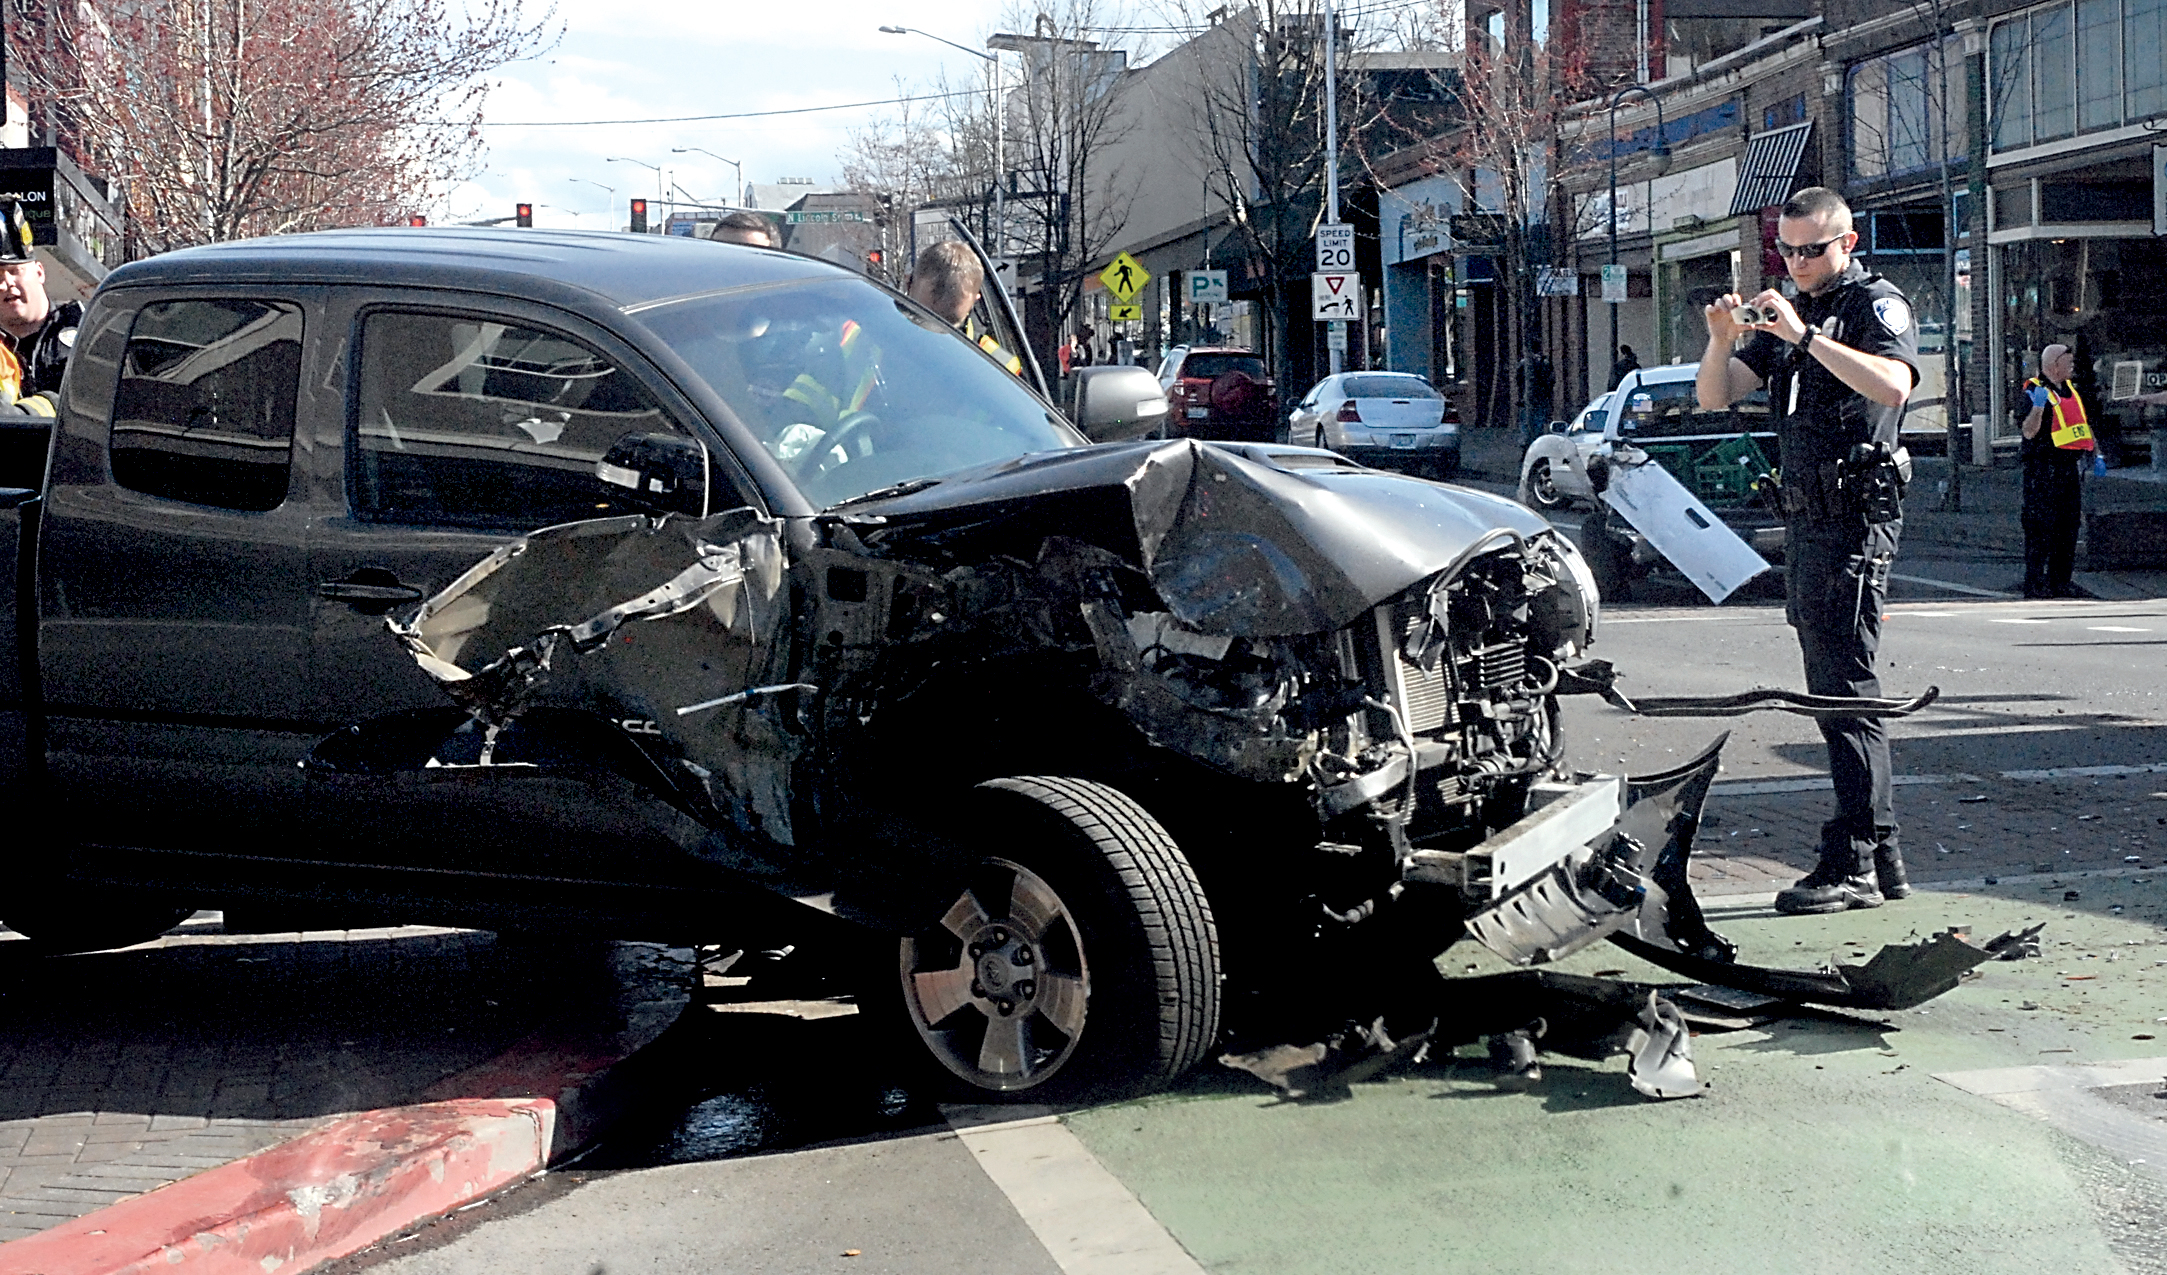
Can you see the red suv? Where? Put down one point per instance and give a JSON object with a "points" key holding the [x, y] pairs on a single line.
{"points": [[1218, 392]]}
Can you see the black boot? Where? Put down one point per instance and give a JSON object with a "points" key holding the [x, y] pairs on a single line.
{"points": [[1889, 872], [1842, 881]]}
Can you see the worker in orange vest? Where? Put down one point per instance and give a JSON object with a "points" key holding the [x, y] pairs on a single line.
{"points": [[2057, 448]]}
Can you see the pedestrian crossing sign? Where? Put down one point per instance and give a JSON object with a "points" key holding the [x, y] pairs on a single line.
{"points": [[1125, 314], [1125, 276]]}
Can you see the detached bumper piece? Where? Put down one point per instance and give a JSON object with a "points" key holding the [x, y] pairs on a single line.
{"points": [[1599, 677], [1629, 885]]}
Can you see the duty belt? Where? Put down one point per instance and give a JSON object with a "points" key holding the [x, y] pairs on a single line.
{"points": [[1813, 493]]}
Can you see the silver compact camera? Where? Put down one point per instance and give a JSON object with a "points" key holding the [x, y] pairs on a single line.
{"points": [[1751, 315]]}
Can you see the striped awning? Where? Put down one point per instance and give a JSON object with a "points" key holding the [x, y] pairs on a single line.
{"points": [[1771, 168]]}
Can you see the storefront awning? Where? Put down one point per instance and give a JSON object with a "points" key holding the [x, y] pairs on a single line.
{"points": [[1770, 168]]}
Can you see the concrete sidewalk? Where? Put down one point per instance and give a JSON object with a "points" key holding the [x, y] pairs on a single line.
{"points": [[129, 1071]]}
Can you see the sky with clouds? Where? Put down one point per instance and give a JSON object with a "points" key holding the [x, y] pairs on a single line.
{"points": [[623, 61]]}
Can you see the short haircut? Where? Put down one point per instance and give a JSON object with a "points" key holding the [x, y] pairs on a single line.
{"points": [[2046, 354], [1819, 201], [748, 223], [950, 272]]}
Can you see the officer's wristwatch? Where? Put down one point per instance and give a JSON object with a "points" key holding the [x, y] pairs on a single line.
{"points": [[1806, 342]]}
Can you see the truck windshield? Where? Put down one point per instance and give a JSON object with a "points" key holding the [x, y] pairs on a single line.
{"points": [[852, 388]]}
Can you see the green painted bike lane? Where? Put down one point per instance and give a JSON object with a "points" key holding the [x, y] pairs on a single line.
{"points": [[1821, 1145]]}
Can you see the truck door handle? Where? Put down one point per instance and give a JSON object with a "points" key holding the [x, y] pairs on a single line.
{"points": [[369, 589]]}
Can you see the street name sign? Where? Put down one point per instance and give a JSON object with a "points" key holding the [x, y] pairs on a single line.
{"points": [[1125, 276], [1208, 286], [1335, 248], [1335, 296]]}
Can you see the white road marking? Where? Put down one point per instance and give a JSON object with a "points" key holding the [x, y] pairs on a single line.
{"points": [[2087, 772], [1927, 615], [1822, 783], [2114, 628], [1951, 587], [2018, 619], [1089, 1222]]}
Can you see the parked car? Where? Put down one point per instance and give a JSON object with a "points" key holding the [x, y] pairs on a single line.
{"points": [[633, 586], [1219, 392], [1393, 420], [1722, 459]]}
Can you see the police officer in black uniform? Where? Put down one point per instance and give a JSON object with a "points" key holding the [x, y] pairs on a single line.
{"points": [[1839, 366]]}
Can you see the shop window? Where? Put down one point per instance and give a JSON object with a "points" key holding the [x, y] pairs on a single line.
{"points": [[2099, 83], [2009, 71], [2054, 75], [2073, 67], [1907, 108], [2095, 201], [2013, 205], [1791, 110]]}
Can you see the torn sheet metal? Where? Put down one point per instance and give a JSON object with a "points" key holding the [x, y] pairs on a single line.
{"points": [[634, 618], [1659, 1056], [1697, 542], [1627, 876], [1630, 886]]}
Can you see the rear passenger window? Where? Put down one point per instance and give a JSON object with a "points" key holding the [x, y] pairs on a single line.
{"points": [[204, 412], [465, 421]]}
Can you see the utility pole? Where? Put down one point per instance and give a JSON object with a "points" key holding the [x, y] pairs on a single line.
{"points": [[1336, 357]]}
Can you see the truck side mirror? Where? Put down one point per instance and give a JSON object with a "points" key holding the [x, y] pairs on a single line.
{"points": [[657, 473], [1118, 402]]}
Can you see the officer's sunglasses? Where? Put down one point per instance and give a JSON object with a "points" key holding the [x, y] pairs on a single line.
{"points": [[1808, 251]]}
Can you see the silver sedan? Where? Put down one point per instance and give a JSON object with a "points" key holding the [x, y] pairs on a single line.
{"points": [[1393, 420]]}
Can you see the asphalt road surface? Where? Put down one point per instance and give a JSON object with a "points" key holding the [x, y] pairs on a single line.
{"points": [[1954, 1136]]}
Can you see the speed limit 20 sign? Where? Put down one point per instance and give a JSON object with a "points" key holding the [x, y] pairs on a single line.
{"points": [[1335, 248]]}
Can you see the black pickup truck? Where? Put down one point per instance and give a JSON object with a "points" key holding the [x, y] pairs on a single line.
{"points": [[656, 588]]}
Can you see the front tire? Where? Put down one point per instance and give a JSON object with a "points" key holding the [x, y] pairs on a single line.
{"points": [[1079, 957], [1539, 489]]}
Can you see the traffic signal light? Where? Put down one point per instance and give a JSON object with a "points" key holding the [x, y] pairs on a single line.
{"points": [[875, 258], [526, 214], [639, 216], [417, 220]]}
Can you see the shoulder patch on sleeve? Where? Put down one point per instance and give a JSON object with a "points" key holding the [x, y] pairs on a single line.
{"points": [[1893, 314]]}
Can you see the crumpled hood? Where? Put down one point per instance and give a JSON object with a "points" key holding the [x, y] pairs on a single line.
{"points": [[1241, 540]]}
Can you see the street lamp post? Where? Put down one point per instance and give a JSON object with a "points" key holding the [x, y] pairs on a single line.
{"points": [[608, 205], [737, 192], [660, 177], [1662, 165], [999, 237]]}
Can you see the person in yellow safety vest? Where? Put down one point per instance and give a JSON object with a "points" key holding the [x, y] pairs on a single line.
{"points": [[27, 319], [2057, 438], [947, 280], [824, 410]]}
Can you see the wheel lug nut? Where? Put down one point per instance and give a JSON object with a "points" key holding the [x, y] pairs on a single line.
{"points": [[978, 989], [1026, 989], [1021, 956], [977, 951], [997, 938], [1006, 1007]]}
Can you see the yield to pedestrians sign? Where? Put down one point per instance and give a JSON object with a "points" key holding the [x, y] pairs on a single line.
{"points": [[1335, 296], [1125, 277]]}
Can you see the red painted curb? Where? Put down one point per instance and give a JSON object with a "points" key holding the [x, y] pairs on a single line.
{"points": [[321, 1196]]}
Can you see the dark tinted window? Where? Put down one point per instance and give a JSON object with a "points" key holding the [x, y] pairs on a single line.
{"points": [[465, 421], [1388, 387], [204, 412], [1213, 366]]}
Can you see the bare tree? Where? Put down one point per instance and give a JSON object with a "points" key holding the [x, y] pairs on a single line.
{"points": [[1517, 143], [230, 118], [920, 154], [1259, 135], [1066, 205]]}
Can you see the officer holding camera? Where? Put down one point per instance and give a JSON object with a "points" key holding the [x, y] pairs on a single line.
{"points": [[1839, 366]]}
